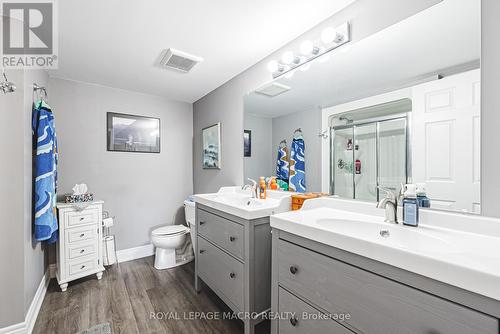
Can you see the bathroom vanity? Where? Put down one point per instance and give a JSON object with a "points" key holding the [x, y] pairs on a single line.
{"points": [[363, 281], [234, 252]]}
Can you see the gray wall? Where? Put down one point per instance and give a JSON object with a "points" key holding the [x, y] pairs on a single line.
{"points": [[225, 104], [260, 163], [310, 123], [35, 256], [12, 204], [143, 190], [490, 107]]}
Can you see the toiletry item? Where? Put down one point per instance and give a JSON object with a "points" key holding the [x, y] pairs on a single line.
{"points": [[273, 185], [410, 205], [399, 208], [422, 199], [262, 188], [349, 144], [358, 166]]}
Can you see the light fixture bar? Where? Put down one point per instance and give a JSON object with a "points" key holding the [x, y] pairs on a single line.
{"points": [[331, 38]]}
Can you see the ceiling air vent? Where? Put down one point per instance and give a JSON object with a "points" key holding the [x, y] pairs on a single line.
{"points": [[178, 60], [273, 89]]}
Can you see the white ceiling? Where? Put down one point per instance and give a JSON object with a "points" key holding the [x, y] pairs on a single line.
{"points": [[116, 42], [443, 36]]}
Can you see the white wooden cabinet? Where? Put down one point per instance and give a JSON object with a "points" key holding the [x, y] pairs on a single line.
{"points": [[79, 249]]}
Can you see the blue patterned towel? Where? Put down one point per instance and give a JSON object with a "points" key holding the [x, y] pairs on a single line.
{"points": [[45, 172], [282, 172], [298, 166]]}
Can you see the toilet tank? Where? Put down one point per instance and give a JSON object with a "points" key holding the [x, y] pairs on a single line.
{"points": [[189, 211]]}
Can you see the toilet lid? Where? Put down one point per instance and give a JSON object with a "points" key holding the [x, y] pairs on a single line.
{"points": [[170, 229]]}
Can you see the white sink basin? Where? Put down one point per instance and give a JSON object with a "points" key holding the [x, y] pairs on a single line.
{"points": [[458, 256], [238, 202]]}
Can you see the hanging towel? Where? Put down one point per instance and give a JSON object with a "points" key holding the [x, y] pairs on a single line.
{"points": [[297, 166], [45, 172], [282, 172]]}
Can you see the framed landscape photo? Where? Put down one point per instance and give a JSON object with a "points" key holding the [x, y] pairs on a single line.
{"points": [[131, 133], [247, 143], [211, 158]]}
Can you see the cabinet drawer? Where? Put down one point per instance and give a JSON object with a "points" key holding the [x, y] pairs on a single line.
{"points": [[223, 232], [77, 250], [221, 272], [302, 318], [85, 217], [81, 266], [377, 305], [78, 234]]}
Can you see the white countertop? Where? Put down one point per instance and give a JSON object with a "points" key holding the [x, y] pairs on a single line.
{"points": [[460, 256], [238, 202]]}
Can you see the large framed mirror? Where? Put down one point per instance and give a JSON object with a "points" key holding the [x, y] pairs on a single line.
{"points": [[400, 106]]}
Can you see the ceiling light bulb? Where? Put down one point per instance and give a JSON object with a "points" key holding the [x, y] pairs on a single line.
{"points": [[330, 35], [287, 57], [306, 48], [273, 66]]}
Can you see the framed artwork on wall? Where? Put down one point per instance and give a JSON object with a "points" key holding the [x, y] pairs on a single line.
{"points": [[211, 150], [247, 143], [132, 133]]}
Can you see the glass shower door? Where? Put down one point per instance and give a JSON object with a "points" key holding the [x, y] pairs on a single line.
{"points": [[343, 162], [365, 162]]}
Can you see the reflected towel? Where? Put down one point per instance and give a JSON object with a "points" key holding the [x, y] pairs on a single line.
{"points": [[297, 166], [282, 171]]}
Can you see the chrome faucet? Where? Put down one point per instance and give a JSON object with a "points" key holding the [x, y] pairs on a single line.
{"points": [[252, 186], [390, 204]]}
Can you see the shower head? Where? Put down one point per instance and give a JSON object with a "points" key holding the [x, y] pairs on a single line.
{"points": [[347, 120], [7, 86]]}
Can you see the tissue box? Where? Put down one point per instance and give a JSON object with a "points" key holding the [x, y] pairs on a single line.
{"points": [[88, 197]]}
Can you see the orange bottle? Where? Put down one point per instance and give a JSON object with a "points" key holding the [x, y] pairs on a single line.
{"points": [[274, 185], [262, 188]]}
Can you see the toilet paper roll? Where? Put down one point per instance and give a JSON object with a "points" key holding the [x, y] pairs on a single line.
{"points": [[107, 222]]}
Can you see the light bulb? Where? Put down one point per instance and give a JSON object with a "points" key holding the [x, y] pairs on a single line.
{"points": [[307, 47], [273, 66], [287, 57], [330, 35]]}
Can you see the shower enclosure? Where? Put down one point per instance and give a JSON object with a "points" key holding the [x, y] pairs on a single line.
{"points": [[368, 153]]}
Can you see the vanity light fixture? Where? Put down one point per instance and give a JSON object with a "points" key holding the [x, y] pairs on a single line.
{"points": [[330, 39]]}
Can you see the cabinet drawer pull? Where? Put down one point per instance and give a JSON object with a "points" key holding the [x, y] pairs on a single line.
{"points": [[294, 321], [202, 251], [231, 238], [82, 267], [202, 223], [293, 270], [81, 251], [232, 275], [82, 235]]}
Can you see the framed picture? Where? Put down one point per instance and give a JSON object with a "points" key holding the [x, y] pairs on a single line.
{"points": [[247, 143], [131, 133], [211, 158]]}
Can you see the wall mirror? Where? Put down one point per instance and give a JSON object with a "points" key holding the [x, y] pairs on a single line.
{"points": [[400, 106]]}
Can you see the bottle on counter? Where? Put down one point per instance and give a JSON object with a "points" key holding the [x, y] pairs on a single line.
{"points": [[410, 206], [262, 188]]}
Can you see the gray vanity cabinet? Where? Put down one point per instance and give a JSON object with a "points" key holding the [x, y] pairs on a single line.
{"points": [[234, 259], [367, 297]]}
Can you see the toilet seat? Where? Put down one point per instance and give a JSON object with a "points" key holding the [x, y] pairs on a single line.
{"points": [[170, 230]]}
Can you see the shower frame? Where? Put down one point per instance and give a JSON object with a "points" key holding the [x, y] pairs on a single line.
{"points": [[364, 122]]}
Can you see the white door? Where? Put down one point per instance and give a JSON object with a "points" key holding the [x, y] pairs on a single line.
{"points": [[446, 141]]}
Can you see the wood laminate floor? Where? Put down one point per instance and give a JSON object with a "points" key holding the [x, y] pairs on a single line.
{"points": [[126, 297]]}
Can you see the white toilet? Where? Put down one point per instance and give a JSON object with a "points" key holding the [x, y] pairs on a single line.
{"points": [[167, 239]]}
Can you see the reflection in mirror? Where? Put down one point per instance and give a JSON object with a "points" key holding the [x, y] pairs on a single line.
{"points": [[400, 106]]}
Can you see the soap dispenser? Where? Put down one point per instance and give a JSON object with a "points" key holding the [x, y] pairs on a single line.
{"points": [[262, 188], [410, 206]]}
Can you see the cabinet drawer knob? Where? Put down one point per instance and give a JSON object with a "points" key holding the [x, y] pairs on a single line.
{"points": [[202, 223], [293, 270], [231, 238], [82, 235], [294, 321], [202, 251], [82, 218], [82, 267], [232, 275], [81, 251]]}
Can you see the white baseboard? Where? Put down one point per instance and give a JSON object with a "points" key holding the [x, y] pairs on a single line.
{"points": [[130, 254], [26, 327]]}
